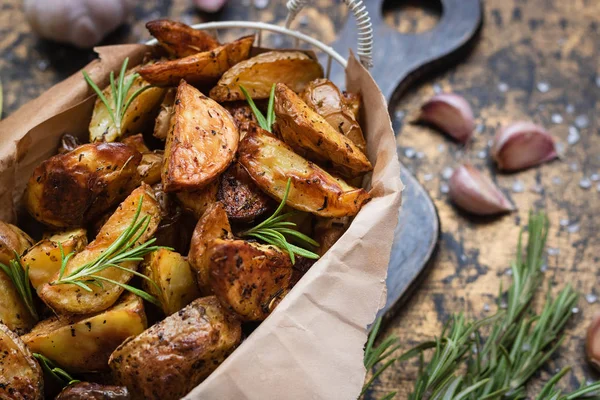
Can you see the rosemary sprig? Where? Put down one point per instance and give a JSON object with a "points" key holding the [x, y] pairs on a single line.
{"points": [[119, 90], [265, 122], [19, 276], [60, 375], [273, 230], [122, 250], [550, 392]]}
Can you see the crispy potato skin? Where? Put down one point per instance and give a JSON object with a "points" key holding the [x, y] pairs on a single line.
{"points": [[197, 202], [21, 376], [93, 391], [69, 190], [325, 98], [84, 344], [213, 225], [172, 273], [70, 299], [163, 119], [241, 112], [312, 137], [137, 142], [180, 40], [202, 68], [13, 311], [258, 74], [248, 278], [173, 356], [270, 163], [141, 111], [242, 199], [150, 167], [353, 102], [201, 144], [44, 260]]}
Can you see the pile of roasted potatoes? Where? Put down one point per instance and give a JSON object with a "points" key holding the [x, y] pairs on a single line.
{"points": [[188, 157]]}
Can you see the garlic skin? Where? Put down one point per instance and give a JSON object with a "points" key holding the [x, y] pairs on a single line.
{"points": [[451, 113], [592, 343], [82, 23], [522, 145], [476, 193], [209, 6]]}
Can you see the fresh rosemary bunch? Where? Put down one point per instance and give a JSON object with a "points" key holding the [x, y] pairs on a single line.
{"points": [[122, 250], [60, 375], [273, 230], [119, 90], [265, 122], [19, 276]]}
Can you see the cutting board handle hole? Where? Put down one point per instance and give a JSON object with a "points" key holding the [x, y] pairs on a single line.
{"points": [[412, 16]]}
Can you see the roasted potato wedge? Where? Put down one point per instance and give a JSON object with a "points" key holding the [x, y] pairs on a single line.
{"points": [[69, 190], [93, 391], [242, 199], [84, 343], [202, 68], [327, 100], [137, 142], [180, 40], [13, 312], [248, 278], [20, 374], [70, 299], [150, 167], [328, 230], [172, 357], [312, 137], [201, 144], [270, 163], [213, 225], [44, 260], [141, 111], [353, 102], [163, 119], [258, 74], [197, 202], [172, 273]]}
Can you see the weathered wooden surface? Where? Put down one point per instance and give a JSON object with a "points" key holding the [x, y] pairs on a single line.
{"points": [[524, 43]]}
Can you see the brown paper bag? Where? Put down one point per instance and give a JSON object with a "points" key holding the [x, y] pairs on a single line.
{"points": [[311, 346]]}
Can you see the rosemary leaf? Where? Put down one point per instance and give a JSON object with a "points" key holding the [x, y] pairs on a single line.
{"points": [[264, 122], [19, 275], [60, 375]]}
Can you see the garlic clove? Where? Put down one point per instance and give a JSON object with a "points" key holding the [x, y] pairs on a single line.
{"points": [[522, 145], [451, 113], [476, 193], [592, 342]]}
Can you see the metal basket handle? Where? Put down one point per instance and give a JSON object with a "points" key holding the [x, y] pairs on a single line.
{"points": [[363, 23]]}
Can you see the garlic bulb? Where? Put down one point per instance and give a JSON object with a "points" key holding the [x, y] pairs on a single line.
{"points": [[210, 6], [83, 23], [451, 113], [476, 193], [521, 145]]}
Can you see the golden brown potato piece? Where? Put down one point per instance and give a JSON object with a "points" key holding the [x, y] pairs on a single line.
{"points": [[163, 119], [20, 374], [325, 98], [13, 311], [176, 226], [137, 142], [69, 190], [213, 225], [202, 68], [172, 357], [241, 113], [44, 260], [201, 144], [197, 202], [328, 230], [151, 166], [176, 283], [140, 112], [312, 137], [270, 163], [93, 391], [70, 299], [258, 75], [353, 102], [68, 143], [248, 278], [84, 343], [242, 199], [180, 40]]}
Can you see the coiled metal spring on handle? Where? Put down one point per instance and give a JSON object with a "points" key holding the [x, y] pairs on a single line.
{"points": [[363, 23]]}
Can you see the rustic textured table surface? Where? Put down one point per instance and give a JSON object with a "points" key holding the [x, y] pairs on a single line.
{"points": [[535, 59]]}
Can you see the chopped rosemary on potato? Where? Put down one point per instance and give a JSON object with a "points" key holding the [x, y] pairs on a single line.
{"points": [[122, 250], [19, 276], [265, 122], [119, 90], [60, 375], [273, 231]]}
